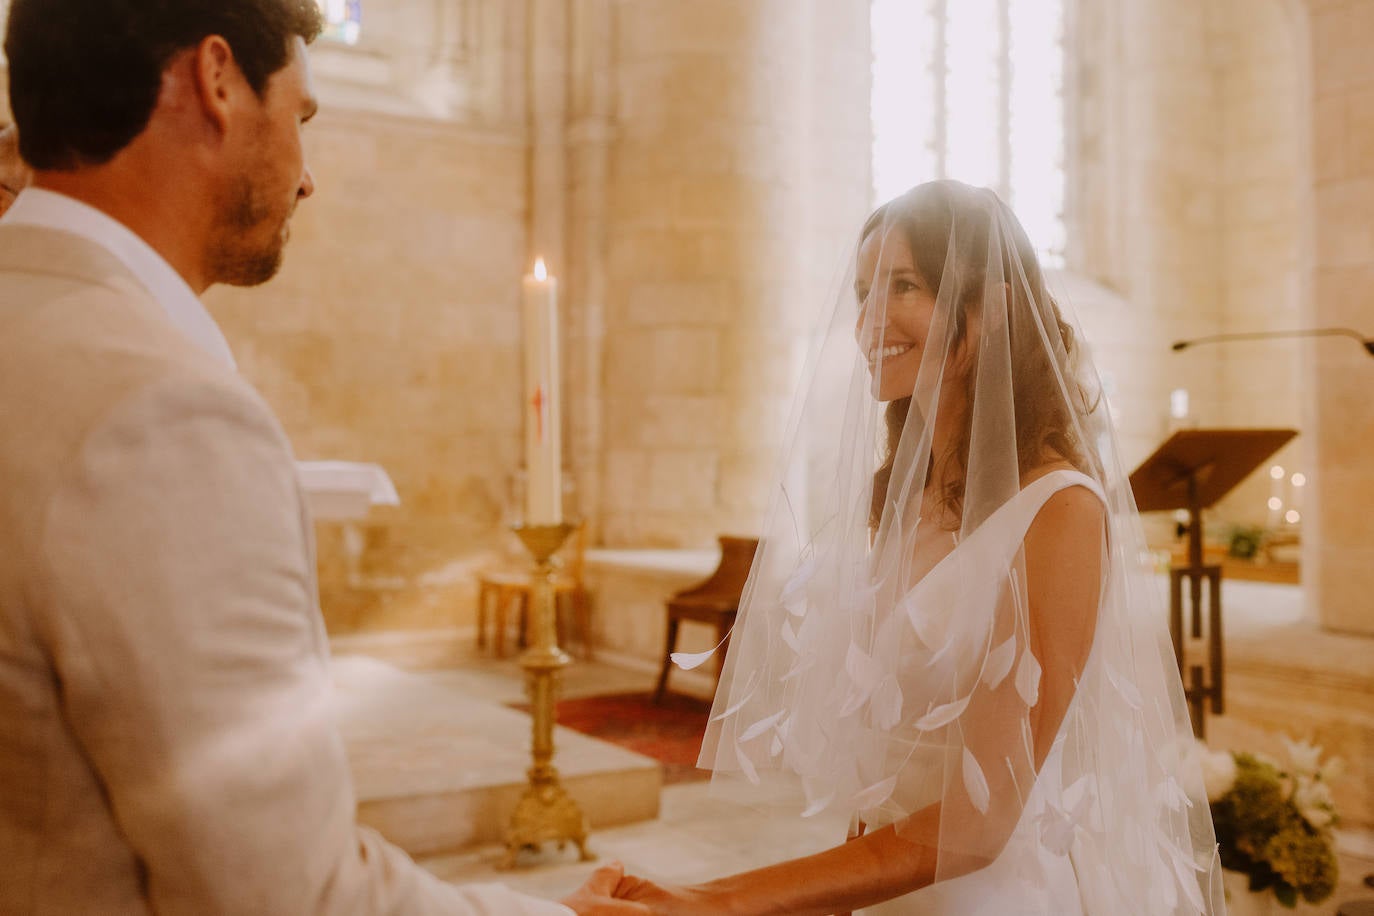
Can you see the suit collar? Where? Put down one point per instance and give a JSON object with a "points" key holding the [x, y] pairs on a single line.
{"points": [[38, 209]]}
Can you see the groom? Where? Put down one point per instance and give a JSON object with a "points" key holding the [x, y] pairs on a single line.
{"points": [[168, 740], [14, 174]]}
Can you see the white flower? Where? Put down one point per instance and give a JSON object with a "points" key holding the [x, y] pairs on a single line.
{"points": [[1218, 772], [1313, 801], [1305, 755], [1317, 817]]}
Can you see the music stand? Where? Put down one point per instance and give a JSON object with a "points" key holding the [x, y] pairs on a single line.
{"points": [[1192, 470]]}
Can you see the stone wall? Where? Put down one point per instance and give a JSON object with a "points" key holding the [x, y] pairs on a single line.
{"points": [[1341, 555], [392, 335], [715, 159], [1260, 55], [1144, 205], [741, 146], [1186, 205]]}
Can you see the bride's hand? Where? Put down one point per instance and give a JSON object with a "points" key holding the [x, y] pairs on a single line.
{"points": [[666, 900], [598, 896]]}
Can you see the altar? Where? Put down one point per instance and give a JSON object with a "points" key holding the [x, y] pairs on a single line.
{"points": [[346, 492]]}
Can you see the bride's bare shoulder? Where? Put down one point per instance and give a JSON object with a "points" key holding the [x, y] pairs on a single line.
{"points": [[1045, 468], [1070, 514]]}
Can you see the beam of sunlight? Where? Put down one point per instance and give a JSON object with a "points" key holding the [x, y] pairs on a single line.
{"points": [[903, 96], [1037, 122], [972, 93], [981, 145]]}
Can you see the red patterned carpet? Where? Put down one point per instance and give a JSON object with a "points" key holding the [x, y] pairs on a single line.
{"points": [[671, 733]]}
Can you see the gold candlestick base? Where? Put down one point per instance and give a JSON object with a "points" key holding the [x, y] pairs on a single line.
{"points": [[545, 811]]}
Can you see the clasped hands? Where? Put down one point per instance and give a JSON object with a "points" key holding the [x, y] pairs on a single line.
{"points": [[611, 892]]}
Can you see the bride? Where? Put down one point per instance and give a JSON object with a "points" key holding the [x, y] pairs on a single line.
{"points": [[948, 635]]}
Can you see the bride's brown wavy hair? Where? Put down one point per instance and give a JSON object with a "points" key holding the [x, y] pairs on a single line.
{"points": [[1045, 420]]}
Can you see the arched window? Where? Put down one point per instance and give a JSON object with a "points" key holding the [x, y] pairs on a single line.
{"points": [[972, 89], [343, 20]]}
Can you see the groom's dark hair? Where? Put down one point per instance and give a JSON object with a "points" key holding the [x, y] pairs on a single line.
{"points": [[85, 74]]}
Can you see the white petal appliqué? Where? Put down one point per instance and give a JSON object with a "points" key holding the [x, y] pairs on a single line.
{"points": [[689, 660], [863, 670], [745, 694], [853, 703], [999, 663], [1056, 830], [1128, 691], [819, 805], [746, 765], [1187, 879], [875, 794], [789, 636], [887, 704], [1028, 678], [792, 596], [975, 783], [942, 715], [759, 727]]}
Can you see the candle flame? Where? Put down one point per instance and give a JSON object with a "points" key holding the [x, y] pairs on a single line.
{"points": [[540, 271]]}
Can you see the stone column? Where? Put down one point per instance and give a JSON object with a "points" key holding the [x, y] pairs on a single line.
{"points": [[589, 134], [1339, 553], [735, 155]]}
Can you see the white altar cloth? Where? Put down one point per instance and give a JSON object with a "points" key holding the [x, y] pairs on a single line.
{"points": [[345, 490]]}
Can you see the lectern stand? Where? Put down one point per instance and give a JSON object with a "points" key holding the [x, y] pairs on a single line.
{"points": [[1192, 470]]}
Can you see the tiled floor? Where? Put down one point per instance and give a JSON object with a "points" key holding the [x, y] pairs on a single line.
{"points": [[696, 836]]}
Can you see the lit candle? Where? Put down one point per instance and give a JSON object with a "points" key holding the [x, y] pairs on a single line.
{"points": [[1276, 475], [543, 426], [1298, 484], [1178, 404]]}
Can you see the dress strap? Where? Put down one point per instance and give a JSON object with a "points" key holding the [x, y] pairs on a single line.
{"points": [[1026, 505]]}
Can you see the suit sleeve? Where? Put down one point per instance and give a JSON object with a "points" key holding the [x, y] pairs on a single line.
{"points": [[192, 661]]}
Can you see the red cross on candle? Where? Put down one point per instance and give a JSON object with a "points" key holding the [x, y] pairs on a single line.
{"points": [[537, 402]]}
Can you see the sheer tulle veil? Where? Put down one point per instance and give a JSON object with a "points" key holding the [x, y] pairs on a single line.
{"points": [[889, 655]]}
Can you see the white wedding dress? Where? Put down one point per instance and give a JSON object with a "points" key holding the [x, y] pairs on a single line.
{"points": [[887, 657], [1027, 878]]}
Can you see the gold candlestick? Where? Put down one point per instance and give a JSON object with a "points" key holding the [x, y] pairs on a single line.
{"points": [[546, 811]]}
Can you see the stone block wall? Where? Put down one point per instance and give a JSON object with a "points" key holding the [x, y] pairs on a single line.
{"points": [[1341, 555], [1187, 204], [392, 335], [740, 162]]}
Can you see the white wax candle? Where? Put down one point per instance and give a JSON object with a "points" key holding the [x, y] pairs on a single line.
{"points": [[543, 425], [1178, 403], [1276, 475], [1298, 484]]}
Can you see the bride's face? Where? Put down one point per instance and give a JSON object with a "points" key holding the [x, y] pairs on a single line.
{"points": [[896, 307]]}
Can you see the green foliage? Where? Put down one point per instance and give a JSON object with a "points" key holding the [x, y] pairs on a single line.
{"points": [[1244, 541], [1263, 834]]}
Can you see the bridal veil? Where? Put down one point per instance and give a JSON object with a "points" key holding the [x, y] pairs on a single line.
{"points": [[891, 659]]}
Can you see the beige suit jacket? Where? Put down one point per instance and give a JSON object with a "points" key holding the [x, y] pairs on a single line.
{"points": [[167, 733]]}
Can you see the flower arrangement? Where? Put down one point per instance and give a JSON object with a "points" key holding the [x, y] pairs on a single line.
{"points": [[1273, 822]]}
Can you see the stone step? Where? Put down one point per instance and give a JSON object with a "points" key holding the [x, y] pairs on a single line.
{"points": [[438, 768]]}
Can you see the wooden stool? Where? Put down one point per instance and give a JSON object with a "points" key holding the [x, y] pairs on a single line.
{"points": [[503, 588]]}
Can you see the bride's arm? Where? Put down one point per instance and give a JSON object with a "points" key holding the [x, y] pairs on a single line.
{"points": [[1064, 565], [877, 866]]}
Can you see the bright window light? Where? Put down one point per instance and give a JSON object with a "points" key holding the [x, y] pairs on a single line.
{"points": [[973, 90], [343, 20]]}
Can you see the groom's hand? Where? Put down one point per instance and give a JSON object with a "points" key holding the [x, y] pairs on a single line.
{"points": [[596, 897], [667, 900]]}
